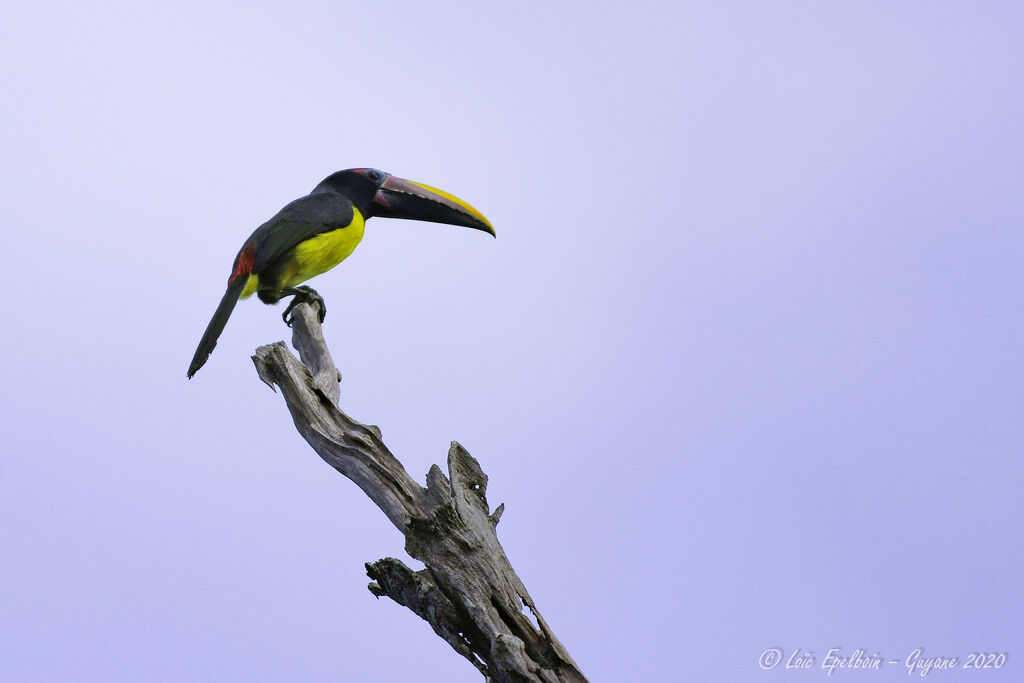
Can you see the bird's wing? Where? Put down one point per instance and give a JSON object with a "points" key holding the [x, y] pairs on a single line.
{"points": [[300, 220]]}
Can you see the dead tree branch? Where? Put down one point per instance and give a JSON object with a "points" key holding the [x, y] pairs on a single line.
{"points": [[468, 592]]}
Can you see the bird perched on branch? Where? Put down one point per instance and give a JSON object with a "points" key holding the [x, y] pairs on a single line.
{"points": [[314, 233]]}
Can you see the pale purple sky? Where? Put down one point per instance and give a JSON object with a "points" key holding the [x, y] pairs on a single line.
{"points": [[744, 363]]}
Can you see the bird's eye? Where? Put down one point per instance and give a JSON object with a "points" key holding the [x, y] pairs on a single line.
{"points": [[374, 176]]}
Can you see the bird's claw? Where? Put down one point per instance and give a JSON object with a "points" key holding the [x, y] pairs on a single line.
{"points": [[304, 295]]}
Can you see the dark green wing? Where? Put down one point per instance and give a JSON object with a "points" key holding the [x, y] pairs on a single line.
{"points": [[306, 217]]}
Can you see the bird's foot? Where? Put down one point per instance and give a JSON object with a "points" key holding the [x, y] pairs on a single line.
{"points": [[302, 295]]}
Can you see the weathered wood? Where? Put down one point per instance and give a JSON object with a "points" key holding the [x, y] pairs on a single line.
{"points": [[468, 592]]}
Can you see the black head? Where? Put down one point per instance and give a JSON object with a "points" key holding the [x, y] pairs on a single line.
{"points": [[358, 184]]}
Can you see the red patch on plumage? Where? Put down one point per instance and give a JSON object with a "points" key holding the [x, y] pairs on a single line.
{"points": [[243, 263]]}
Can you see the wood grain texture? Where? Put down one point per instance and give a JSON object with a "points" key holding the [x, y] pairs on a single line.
{"points": [[468, 592]]}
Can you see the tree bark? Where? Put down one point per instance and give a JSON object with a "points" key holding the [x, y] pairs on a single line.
{"points": [[468, 592]]}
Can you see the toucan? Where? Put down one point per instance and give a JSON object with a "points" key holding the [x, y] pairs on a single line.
{"points": [[314, 233]]}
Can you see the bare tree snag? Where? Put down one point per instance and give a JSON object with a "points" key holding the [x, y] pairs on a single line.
{"points": [[468, 592]]}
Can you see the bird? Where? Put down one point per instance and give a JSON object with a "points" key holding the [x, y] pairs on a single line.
{"points": [[314, 233]]}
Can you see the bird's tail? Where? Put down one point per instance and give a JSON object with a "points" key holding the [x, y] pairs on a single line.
{"points": [[217, 323]]}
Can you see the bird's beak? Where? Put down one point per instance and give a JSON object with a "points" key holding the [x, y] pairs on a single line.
{"points": [[397, 198]]}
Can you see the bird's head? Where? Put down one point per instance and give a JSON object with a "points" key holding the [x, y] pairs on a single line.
{"points": [[377, 193]]}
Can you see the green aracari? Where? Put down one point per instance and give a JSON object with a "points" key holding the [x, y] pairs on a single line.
{"points": [[314, 233]]}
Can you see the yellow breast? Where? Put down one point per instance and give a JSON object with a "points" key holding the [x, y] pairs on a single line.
{"points": [[321, 253]]}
